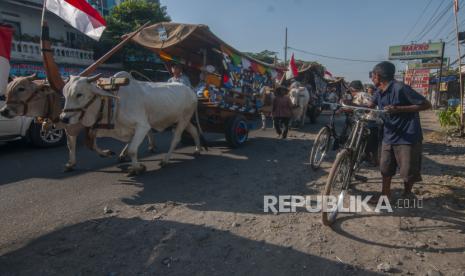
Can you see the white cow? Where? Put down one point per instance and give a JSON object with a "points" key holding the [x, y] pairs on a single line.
{"points": [[28, 97], [299, 97], [140, 107]]}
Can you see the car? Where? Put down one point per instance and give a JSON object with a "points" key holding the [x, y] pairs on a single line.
{"points": [[27, 128]]}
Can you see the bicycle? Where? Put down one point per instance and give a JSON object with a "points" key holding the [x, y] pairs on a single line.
{"points": [[348, 161], [327, 134]]}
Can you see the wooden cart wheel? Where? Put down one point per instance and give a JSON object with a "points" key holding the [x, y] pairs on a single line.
{"points": [[236, 131]]}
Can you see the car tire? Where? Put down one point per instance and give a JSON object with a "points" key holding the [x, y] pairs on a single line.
{"points": [[53, 138]]}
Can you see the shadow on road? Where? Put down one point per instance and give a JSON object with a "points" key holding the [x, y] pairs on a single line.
{"points": [[440, 215], [234, 181], [116, 246]]}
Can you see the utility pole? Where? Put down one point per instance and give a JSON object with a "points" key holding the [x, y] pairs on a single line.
{"points": [[438, 87], [285, 48], [456, 8]]}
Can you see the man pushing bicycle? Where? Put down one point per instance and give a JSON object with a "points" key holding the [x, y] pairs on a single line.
{"points": [[402, 133]]}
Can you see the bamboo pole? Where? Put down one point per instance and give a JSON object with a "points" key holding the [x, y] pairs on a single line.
{"points": [[460, 70], [105, 57], [50, 66]]}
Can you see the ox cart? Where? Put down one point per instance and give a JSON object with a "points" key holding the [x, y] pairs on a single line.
{"points": [[232, 87]]}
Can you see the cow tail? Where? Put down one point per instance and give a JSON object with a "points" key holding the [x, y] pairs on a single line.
{"points": [[203, 141]]}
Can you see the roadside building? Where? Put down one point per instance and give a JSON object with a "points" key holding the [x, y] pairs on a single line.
{"points": [[72, 50]]}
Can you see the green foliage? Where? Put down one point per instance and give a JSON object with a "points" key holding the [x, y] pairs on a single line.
{"points": [[126, 18], [264, 56], [449, 117]]}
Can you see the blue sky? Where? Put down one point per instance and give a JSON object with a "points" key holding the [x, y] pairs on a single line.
{"points": [[357, 29]]}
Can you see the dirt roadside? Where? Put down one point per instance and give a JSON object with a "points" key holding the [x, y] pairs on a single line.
{"points": [[206, 218]]}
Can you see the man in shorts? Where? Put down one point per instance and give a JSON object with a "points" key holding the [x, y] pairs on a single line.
{"points": [[402, 133]]}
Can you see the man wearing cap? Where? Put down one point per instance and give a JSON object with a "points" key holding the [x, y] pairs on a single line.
{"points": [[178, 75]]}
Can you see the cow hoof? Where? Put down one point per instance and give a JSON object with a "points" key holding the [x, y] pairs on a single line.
{"points": [[122, 159], [131, 172], [107, 153], [153, 150], [68, 168], [163, 163], [196, 153], [136, 171]]}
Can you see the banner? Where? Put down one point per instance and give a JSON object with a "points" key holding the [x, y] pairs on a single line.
{"points": [[418, 79], [430, 63], [416, 51], [443, 86]]}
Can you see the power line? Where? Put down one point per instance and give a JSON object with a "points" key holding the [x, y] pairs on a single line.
{"points": [[447, 22], [430, 19], [418, 20], [452, 32], [332, 57], [433, 18], [436, 21]]}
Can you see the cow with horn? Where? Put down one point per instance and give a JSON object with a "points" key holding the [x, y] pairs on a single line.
{"points": [[27, 96], [140, 106]]}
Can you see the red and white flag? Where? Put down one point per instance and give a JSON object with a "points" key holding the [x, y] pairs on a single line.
{"points": [[292, 71], [79, 14], [456, 6], [6, 35], [328, 75]]}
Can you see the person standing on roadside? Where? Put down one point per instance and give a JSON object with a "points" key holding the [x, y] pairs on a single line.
{"points": [[402, 132], [282, 111]]}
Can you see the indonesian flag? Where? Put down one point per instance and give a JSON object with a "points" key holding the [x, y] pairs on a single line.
{"points": [[79, 14], [291, 69], [6, 35], [328, 75]]}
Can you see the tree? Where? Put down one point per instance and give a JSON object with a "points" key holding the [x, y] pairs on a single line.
{"points": [[264, 56], [123, 19]]}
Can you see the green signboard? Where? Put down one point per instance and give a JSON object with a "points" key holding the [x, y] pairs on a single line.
{"points": [[429, 63], [416, 51]]}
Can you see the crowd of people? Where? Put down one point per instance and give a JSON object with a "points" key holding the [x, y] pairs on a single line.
{"points": [[397, 144]]}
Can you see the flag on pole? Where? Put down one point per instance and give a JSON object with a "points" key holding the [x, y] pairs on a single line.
{"points": [[79, 14], [291, 69], [6, 34], [456, 6]]}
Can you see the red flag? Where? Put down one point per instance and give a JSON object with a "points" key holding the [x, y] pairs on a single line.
{"points": [[6, 35], [79, 14], [291, 69]]}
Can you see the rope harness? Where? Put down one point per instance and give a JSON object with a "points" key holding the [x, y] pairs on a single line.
{"points": [[82, 110], [23, 103]]}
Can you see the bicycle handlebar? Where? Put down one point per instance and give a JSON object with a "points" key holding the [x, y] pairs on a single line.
{"points": [[363, 108]]}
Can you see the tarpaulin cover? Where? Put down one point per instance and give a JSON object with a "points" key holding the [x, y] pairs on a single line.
{"points": [[184, 40]]}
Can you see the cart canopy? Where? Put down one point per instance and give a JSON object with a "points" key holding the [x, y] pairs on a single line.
{"points": [[170, 39]]}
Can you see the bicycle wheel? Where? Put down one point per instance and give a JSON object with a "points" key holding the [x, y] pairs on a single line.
{"points": [[337, 185], [360, 152], [320, 147]]}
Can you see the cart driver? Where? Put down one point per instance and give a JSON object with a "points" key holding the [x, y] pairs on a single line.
{"points": [[178, 75]]}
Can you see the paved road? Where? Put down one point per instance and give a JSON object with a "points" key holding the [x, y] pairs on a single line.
{"points": [[36, 196], [204, 216]]}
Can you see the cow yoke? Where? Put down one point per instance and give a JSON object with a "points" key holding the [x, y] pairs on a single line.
{"points": [[112, 84]]}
